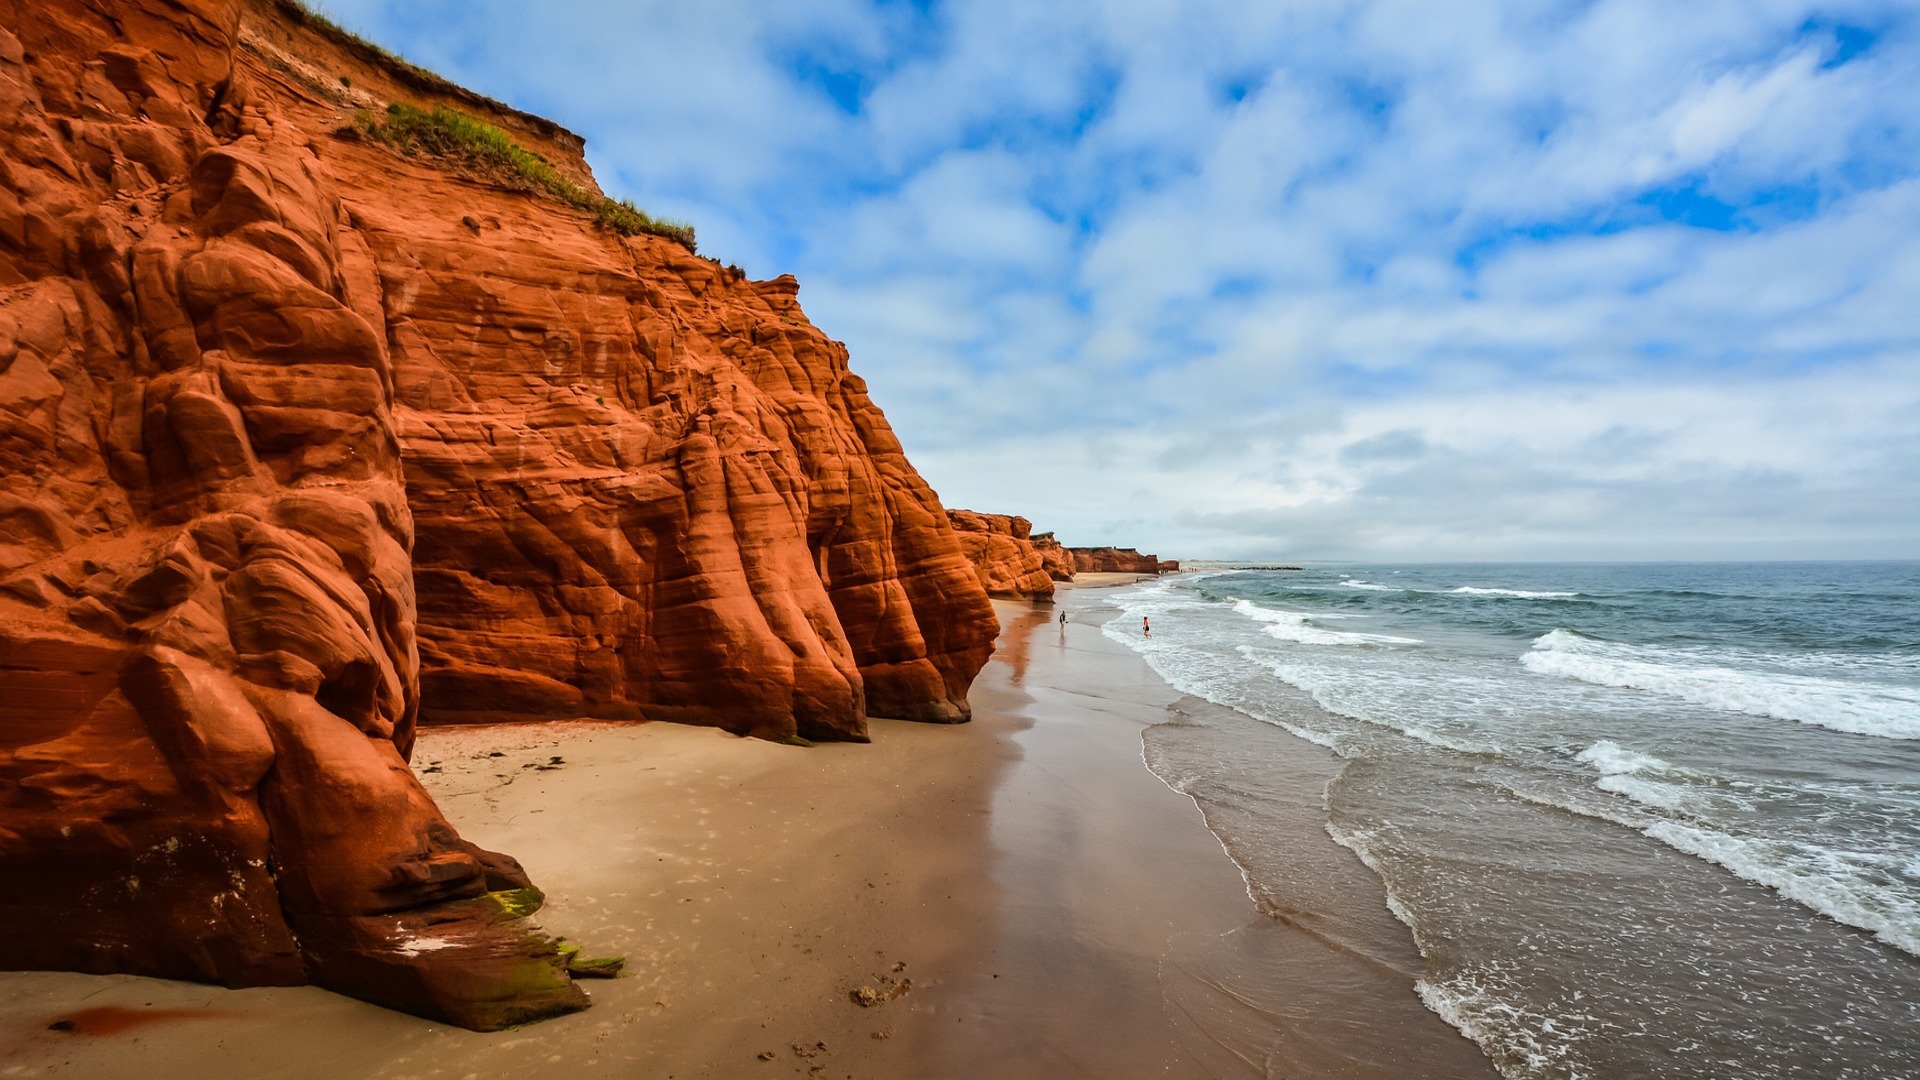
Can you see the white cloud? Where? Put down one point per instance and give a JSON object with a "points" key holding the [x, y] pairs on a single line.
{"points": [[1392, 278]]}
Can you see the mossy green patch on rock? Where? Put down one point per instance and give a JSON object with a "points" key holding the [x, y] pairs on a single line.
{"points": [[451, 135], [597, 967], [517, 903], [588, 967]]}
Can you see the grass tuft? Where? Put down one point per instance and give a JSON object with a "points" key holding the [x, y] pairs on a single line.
{"points": [[321, 17], [451, 135]]}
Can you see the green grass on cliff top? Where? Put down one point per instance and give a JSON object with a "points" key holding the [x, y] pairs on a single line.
{"points": [[449, 134], [318, 14]]}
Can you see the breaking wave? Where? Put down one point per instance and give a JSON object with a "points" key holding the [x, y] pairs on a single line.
{"points": [[1705, 677]]}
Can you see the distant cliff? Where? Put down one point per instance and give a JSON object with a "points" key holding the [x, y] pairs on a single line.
{"points": [[321, 418], [1005, 555], [1014, 562], [1056, 560], [1112, 560]]}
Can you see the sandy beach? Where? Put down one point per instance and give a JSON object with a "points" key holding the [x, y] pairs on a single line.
{"points": [[1015, 897]]}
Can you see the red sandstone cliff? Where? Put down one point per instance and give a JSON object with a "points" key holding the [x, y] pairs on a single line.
{"points": [[1112, 560], [303, 442], [1012, 562], [1056, 560], [1003, 554]]}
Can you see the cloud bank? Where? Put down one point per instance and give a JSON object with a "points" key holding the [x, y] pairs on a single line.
{"points": [[1381, 280]]}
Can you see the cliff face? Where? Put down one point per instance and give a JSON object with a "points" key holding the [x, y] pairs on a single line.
{"points": [[1014, 563], [1056, 560], [644, 486], [1112, 560], [1003, 554], [303, 443]]}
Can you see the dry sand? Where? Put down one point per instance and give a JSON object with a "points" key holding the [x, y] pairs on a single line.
{"points": [[1010, 894]]}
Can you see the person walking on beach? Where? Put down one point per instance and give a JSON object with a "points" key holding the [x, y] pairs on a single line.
{"points": [[1146, 628], [1063, 618]]}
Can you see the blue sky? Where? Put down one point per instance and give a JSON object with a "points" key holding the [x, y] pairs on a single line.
{"points": [[1372, 280]]}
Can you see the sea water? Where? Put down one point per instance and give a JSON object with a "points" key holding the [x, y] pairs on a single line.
{"points": [[1641, 820]]}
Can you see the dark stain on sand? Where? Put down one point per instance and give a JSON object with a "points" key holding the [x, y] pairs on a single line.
{"points": [[119, 1019]]}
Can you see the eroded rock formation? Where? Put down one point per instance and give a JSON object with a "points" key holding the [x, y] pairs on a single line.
{"points": [[1055, 559], [1003, 554], [303, 443], [1112, 560], [1015, 563]]}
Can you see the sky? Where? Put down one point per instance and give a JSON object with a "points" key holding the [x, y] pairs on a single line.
{"points": [[1393, 281]]}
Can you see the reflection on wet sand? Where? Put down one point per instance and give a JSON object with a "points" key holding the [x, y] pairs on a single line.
{"points": [[1016, 634]]}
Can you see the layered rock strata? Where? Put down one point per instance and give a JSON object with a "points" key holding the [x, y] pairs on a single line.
{"points": [[1055, 559], [303, 443], [1112, 560], [1003, 554]]}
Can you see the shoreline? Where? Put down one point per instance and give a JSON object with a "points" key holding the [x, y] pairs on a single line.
{"points": [[1318, 979], [1019, 896]]}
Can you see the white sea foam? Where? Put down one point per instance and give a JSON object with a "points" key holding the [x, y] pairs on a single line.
{"points": [[1332, 688], [1464, 590], [1360, 842], [1651, 793], [1318, 738], [1852, 887], [1862, 708], [1520, 1042], [1827, 881], [1208, 676], [1854, 862], [1626, 815], [1612, 760], [1630, 774], [1295, 626], [1445, 742], [1522, 594]]}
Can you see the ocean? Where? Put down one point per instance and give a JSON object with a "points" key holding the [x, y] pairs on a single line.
{"points": [[1642, 820]]}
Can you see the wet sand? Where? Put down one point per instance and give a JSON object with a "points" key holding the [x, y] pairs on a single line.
{"points": [[1017, 897]]}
